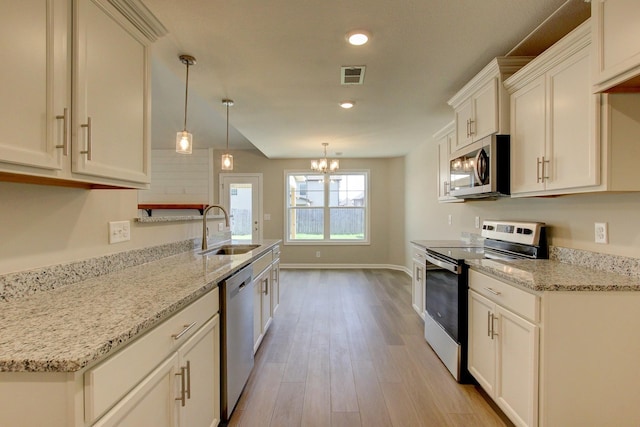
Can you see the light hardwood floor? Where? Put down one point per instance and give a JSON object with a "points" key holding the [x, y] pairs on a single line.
{"points": [[346, 349]]}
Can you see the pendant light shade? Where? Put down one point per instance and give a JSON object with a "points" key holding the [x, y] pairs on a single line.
{"points": [[323, 165], [184, 140], [227, 159]]}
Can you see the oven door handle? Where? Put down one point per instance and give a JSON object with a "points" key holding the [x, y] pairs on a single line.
{"points": [[454, 268]]}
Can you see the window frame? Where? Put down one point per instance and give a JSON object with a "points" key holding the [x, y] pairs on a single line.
{"points": [[327, 209]]}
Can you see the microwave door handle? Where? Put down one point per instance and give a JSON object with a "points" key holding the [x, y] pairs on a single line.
{"points": [[454, 268]]}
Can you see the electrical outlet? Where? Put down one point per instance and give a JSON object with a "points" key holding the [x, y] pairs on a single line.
{"points": [[602, 234], [477, 222], [449, 219], [119, 231], [317, 254]]}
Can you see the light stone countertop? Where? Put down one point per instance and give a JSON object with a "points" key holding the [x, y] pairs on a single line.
{"points": [[69, 328], [548, 275]]}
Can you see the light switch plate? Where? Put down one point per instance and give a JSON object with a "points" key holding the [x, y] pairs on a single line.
{"points": [[119, 231]]}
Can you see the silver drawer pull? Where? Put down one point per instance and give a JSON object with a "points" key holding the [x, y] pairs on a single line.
{"points": [[184, 331], [493, 291]]}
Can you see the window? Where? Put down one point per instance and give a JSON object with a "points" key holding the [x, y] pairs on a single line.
{"points": [[329, 208]]}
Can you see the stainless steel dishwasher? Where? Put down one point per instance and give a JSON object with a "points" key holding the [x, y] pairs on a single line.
{"points": [[237, 337]]}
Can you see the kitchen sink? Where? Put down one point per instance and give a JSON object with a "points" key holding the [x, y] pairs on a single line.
{"points": [[231, 249]]}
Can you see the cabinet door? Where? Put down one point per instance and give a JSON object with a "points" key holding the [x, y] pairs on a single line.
{"points": [[201, 353], [481, 352], [463, 117], [443, 170], [34, 80], [485, 110], [275, 286], [516, 390], [417, 289], [151, 403], [528, 134], [111, 115], [573, 145], [617, 41], [265, 309], [261, 306]]}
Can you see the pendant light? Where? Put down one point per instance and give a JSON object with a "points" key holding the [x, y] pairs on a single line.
{"points": [[227, 159], [323, 165], [184, 140]]}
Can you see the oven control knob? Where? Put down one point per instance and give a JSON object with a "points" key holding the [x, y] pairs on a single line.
{"points": [[527, 231], [519, 230]]}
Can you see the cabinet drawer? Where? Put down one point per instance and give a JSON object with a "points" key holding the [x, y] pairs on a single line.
{"points": [[261, 263], [109, 381], [517, 300], [419, 253]]}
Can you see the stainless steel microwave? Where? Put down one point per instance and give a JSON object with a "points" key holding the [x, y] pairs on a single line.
{"points": [[481, 169]]}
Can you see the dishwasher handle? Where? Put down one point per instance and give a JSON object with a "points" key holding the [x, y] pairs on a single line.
{"points": [[454, 268]]}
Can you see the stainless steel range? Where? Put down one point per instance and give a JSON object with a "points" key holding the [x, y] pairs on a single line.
{"points": [[445, 327]]}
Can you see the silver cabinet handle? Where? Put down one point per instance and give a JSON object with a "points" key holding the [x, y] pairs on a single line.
{"points": [[65, 132], [183, 389], [265, 287], [538, 163], [446, 188], [188, 369], [471, 132], [184, 331], [488, 323], [544, 169], [468, 128], [493, 291], [493, 331], [88, 150]]}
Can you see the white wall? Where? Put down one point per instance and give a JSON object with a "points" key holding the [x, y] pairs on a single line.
{"points": [[46, 225]]}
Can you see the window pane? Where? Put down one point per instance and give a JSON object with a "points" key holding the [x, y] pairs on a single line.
{"points": [[305, 190], [347, 223], [347, 190], [241, 211], [306, 224]]}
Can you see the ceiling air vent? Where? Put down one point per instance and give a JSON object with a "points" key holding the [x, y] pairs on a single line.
{"points": [[352, 75]]}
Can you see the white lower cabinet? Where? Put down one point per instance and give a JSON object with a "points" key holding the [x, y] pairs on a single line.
{"points": [[188, 379], [503, 354], [139, 385], [266, 293], [556, 358]]}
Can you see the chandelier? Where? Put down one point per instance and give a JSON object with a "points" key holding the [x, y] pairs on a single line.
{"points": [[323, 165]]}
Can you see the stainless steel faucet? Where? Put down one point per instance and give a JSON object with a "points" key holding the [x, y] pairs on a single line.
{"points": [[204, 223]]}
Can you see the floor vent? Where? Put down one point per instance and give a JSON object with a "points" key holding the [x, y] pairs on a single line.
{"points": [[352, 75]]}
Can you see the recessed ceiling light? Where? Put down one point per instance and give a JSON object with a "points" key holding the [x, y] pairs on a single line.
{"points": [[357, 37], [347, 104]]}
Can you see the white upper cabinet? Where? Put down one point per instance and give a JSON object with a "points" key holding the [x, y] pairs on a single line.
{"points": [[481, 107], [110, 108], [446, 139], [99, 58], [563, 137], [616, 38], [35, 84]]}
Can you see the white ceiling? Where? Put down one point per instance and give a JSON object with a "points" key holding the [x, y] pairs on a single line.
{"points": [[280, 62]]}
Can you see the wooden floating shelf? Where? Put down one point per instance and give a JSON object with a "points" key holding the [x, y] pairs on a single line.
{"points": [[149, 207]]}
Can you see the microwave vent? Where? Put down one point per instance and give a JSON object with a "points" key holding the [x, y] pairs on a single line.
{"points": [[352, 75]]}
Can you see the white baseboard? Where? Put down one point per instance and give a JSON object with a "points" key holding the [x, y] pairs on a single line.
{"points": [[346, 266]]}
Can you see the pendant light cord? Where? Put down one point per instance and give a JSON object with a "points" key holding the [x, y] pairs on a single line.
{"points": [[227, 128], [186, 97]]}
